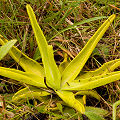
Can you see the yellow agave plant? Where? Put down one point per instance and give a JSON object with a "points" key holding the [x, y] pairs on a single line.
{"points": [[67, 83]]}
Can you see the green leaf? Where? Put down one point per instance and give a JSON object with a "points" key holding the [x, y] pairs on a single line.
{"points": [[94, 113], [91, 93], [53, 76], [104, 69], [57, 77], [24, 77], [69, 98], [93, 116], [64, 64], [114, 109], [70, 8], [5, 48], [70, 113], [59, 106], [92, 82], [98, 111], [28, 64], [52, 16], [103, 48], [73, 69], [29, 93], [37, 54]]}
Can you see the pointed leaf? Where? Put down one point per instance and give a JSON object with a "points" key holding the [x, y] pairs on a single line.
{"points": [[56, 78], [92, 82], [69, 98], [24, 77], [64, 64], [73, 69], [5, 48], [28, 64], [29, 93], [91, 93], [104, 69], [59, 106], [52, 72]]}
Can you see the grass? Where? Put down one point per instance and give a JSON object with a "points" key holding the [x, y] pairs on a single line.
{"points": [[56, 19]]}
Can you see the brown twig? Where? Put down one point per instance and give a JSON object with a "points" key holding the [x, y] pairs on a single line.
{"points": [[114, 7]]}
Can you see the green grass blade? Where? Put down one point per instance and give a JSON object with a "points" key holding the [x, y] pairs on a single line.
{"points": [[52, 72], [28, 64], [92, 82], [5, 48], [54, 15], [79, 23], [24, 77], [70, 8], [73, 69]]}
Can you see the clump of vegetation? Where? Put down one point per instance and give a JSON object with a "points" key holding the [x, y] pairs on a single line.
{"points": [[67, 81]]}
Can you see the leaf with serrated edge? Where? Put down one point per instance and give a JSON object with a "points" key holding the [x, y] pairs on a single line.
{"points": [[52, 72], [75, 66]]}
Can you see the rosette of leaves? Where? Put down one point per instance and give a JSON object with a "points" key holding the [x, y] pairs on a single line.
{"points": [[68, 80]]}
